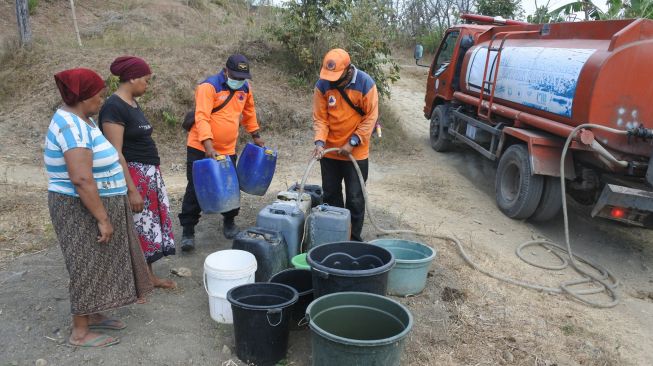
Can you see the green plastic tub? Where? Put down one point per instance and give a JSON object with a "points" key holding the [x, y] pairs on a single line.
{"points": [[412, 263], [357, 329], [299, 261]]}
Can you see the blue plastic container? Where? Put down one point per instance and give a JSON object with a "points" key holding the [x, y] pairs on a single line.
{"points": [[216, 185], [256, 169]]}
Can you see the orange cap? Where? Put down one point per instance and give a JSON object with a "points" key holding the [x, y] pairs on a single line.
{"points": [[334, 63]]}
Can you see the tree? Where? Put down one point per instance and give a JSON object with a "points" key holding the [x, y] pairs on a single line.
{"points": [[309, 28], [638, 9], [509, 9], [24, 26]]}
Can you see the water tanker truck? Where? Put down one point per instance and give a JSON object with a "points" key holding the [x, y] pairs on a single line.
{"points": [[515, 92]]}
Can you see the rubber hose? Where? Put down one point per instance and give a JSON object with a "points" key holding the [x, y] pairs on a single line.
{"points": [[605, 279]]}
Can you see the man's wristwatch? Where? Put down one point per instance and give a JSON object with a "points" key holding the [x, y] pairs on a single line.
{"points": [[354, 141]]}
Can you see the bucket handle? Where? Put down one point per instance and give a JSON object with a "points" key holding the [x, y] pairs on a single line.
{"points": [[320, 273], [206, 288], [303, 321], [274, 311]]}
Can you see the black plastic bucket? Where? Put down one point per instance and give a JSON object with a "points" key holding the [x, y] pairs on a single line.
{"points": [[301, 280], [261, 317], [350, 266]]}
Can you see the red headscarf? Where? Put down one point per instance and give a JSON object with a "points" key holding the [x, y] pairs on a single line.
{"points": [[76, 85], [129, 67]]}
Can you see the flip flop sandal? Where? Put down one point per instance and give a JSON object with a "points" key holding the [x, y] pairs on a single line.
{"points": [[108, 324], [98, 342]]}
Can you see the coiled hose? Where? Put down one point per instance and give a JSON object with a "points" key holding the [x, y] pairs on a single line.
{"points": [[605, 280]]}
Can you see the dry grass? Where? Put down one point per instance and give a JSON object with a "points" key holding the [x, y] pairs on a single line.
{"points": [[183, 46], [24, 221]]}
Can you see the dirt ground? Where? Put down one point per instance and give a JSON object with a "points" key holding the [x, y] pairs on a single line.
{"points": [[462, 317]]}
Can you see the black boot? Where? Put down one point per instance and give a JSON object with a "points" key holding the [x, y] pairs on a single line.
{"points": [[188, 239], [229, 228]]}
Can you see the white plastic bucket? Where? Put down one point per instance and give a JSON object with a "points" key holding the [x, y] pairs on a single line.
{"points": [[224, 270]]}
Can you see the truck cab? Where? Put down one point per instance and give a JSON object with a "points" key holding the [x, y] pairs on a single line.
{"points": [[444, 72]]}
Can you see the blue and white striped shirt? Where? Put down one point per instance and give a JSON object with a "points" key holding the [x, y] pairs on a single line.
{"points": [[68, 131]]}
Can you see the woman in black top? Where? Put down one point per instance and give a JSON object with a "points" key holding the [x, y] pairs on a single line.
{"points": [[123, 123]]}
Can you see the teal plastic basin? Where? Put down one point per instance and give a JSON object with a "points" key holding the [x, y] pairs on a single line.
{"points": [[412, 264]]}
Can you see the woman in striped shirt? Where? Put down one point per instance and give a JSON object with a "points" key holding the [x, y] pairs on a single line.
{"points": [[90, 212]]}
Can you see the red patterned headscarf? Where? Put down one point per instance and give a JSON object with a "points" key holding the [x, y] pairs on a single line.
{"points": [[76, 85]]}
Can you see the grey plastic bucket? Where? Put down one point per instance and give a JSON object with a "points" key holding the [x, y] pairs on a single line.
{"points": [[412, 263], [357, 329]]}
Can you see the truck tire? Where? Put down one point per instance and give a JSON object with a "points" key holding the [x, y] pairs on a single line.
{"points": [[518, 191], [437, 134], [551, 201]]}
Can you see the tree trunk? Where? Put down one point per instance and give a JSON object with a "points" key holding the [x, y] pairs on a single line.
{"points": [[24, 27], [72, 9]]}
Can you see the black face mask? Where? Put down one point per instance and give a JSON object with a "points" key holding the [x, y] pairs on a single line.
{"points": [[343, 78]]}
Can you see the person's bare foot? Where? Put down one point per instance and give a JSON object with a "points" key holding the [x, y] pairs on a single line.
{"points": [[101, 321], [163, 283], [160, 282], [141, 301]]}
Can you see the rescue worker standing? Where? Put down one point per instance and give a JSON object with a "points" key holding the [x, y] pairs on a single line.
{"points": [[222, 103], [345, 111]]}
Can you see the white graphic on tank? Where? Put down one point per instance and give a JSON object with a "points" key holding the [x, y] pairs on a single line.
{"points": [[536, 77]]}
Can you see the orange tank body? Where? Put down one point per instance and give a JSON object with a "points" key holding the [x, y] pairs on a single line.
{"points": [[585, 72]]}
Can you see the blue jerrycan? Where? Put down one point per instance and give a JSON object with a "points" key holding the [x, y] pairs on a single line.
{"points": [[256, 168], [216, 184]]}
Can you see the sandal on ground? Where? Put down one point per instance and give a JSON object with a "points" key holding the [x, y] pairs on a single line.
{"points": [[101, 340], [112, 324]]}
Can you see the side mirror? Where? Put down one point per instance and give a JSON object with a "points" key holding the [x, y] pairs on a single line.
{"points": [[419, 52]]}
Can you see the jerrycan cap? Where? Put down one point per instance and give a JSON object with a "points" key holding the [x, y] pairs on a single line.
{"points": [[219, 157]]}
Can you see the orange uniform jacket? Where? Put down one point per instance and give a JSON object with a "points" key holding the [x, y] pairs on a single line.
{"points": [[335, 122], [222, 126]]}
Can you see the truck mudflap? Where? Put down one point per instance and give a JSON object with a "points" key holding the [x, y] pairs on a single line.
{"points": [[630, 205]]}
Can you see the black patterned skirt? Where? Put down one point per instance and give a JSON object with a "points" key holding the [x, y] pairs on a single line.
{"points": [[103, 276]]}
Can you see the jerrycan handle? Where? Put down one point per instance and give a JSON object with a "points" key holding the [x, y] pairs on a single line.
{"points": [[276, 211], [255, 230]]}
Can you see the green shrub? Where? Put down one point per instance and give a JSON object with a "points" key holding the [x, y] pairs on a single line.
{"points": [[308, 29], [169, 119], [32, 5], [112, 82], [431, 41]]}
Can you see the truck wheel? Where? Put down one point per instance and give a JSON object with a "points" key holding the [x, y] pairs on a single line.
{"points": [[437, 133], [551, 201], [518, 191]]}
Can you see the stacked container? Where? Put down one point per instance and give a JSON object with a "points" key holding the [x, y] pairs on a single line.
{"points": [[269, 248], [287, 219], [292, 197], [328, 224], [313, 190]]}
